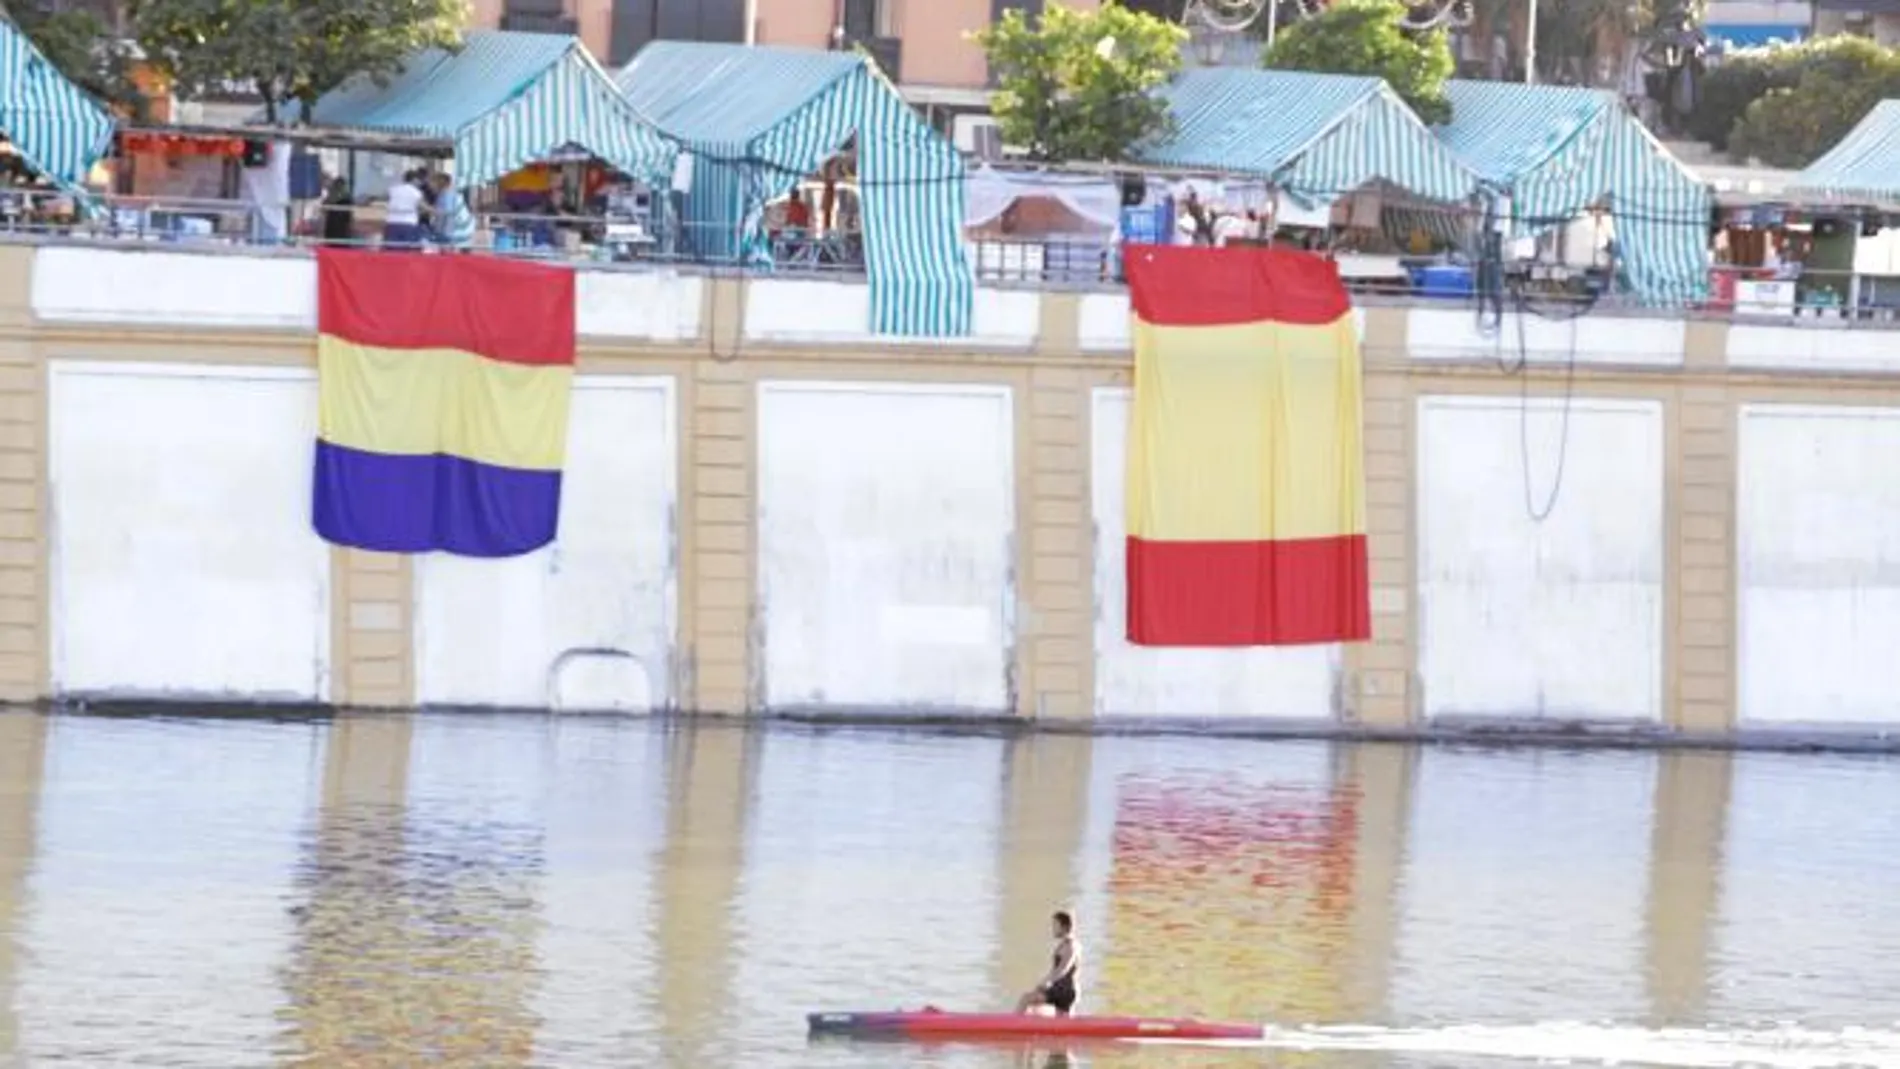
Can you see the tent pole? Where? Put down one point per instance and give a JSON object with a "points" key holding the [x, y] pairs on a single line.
{"points": [[1530, 46]]}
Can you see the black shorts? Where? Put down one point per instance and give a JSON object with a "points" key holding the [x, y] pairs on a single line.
{"points": [[1060, 995]]}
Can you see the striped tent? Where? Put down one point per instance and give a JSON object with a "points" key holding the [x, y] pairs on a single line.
{"points": [[55, 127], [1555, 152], [759, 120], [502, 101], [1863, 169], [1315, 136]]}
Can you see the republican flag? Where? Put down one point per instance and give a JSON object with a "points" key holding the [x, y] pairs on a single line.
{"points": [[1246, 484], [444, 385]]}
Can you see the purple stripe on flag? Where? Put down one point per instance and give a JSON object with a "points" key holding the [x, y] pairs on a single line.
{"points": [[419, 504]]}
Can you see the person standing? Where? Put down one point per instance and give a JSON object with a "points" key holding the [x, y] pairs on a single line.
{"points": [[453, 224], [339, 217], [402, 219]]}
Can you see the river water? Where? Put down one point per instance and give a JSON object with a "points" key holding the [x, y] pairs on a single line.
{"points": [[573, 893]]}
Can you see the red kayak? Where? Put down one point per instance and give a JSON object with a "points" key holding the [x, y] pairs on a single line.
{"points": [[931, 1023]]}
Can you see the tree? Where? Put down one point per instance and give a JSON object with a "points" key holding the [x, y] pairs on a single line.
{"points": [[1750, 75], [290, 51], [1365, 37], [1080, 85], [79, 45], [1838, 85]]}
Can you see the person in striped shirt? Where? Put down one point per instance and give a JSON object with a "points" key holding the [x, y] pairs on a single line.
{"points": [[453, 224]]}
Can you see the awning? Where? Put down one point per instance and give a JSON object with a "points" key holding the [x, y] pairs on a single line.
{"points": [[54, 126], [1314, 135], [504, 100], [759, 119], [1863, 169], [1755, 36], [1556, 151]]}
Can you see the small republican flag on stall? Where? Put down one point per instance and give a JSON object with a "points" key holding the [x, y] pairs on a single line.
{"points": [[1246, 484], [444, 385]]}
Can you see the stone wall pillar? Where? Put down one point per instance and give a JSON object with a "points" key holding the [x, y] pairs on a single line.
{"points": [[719, 511], [1703, 636], [373, 621], [1055, 594], [1379, 674], [25, 613]]}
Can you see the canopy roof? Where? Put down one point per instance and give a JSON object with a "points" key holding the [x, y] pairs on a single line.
{"points": [[760, 119], [54, 125], [1864, 168], [503, 99], [1315, 135], [1557, 151]]}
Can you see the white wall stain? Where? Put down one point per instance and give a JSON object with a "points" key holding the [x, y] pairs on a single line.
{"points": [[183, 560], [1818, 540], [493, 632], [886, 519], [1561, 618]]}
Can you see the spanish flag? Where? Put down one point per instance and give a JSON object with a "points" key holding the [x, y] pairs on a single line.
{"points": [[444, 384], [1246, 485]]}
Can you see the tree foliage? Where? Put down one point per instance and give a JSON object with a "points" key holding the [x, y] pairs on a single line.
{"points": [[1837, 84], [1080, 85], [79, 45], [1787, 104], [1365, 37], [289, 51]]}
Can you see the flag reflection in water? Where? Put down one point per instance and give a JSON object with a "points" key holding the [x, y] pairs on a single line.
{"points": [[1228, 900]]}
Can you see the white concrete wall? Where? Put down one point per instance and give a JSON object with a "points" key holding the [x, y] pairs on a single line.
{"points": [[1102, 323], [807, 311], [886, 521], [1822, 345], [510, 632], [152, 287], [1292, 682], [1560, 618], [183, 560], [1457, 333], [1818, 530]]}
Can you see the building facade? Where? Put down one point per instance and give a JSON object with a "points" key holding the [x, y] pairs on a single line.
{"points": [[1676, 524], [922, 44]]}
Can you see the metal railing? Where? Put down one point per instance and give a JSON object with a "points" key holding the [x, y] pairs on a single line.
{"points": [[1792, 294]]}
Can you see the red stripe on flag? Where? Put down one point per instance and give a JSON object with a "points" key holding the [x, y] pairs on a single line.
{"points": [[1189, 286], [519, 313], [1248, 593]]}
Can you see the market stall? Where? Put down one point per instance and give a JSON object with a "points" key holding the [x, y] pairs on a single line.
{"points": [[1333, 146], [1852, 194], [761, 121], [1552, 155], [57, 131], [501, 102]]}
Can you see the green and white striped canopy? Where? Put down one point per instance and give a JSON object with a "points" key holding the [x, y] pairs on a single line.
{"points": [[55, 127], [1556, 151], [504, 100], [760, 119], [1863, 169], [1316, 136]]}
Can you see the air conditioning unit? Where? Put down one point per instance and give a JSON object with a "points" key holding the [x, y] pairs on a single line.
{"points": [[977, 135]]}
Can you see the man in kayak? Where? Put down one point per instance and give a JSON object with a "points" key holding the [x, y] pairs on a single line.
{"points": [[1057, 991]]}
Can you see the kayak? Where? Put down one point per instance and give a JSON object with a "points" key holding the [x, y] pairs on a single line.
{"points": [[931, 1023]]}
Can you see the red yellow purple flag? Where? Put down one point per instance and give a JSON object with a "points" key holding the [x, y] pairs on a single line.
{"points": [[1246, 472], [443, 387]]}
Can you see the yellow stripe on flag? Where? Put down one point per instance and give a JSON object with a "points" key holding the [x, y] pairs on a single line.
{"points": [[1245, 433], [416, 402]]}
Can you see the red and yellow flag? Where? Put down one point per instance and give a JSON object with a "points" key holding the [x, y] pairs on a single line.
{"points": [[1246, 472]]}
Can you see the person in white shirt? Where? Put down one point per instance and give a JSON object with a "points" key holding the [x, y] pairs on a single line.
{"points": [[402, 221]]}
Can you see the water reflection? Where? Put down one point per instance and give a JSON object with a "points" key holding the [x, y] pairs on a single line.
{"points": [[501, 891]]}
